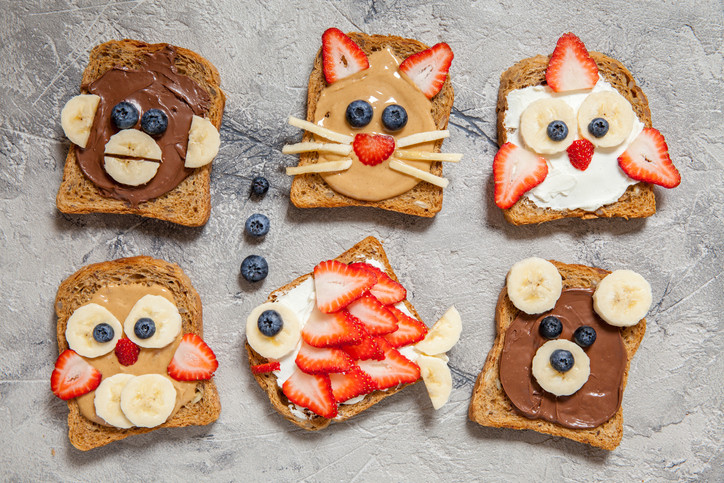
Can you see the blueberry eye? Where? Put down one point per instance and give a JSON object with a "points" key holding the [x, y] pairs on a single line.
{"points": [[550, 327], [124, 115], [557, 130], [145, 327], [154, 122], [270, 323], [598, 127], [359, 113], [394, 117], [562, 360], [103, 333], [584, 336]]}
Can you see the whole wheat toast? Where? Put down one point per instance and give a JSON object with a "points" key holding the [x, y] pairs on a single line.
{"points": [[190, 202], [490, 406], [425, 199], [79, 288], [369, 248]]}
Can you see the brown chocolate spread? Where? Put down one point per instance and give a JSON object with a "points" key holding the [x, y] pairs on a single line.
{"points": [[599, 398], [156, 84]]}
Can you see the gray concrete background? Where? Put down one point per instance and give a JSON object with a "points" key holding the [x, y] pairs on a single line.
{"points": [[264, 50]]}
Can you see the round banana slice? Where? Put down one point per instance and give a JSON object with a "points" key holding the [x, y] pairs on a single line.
{"points": [[534, 285], [166, 322], [534, 125], [443, 335], [131, 172], [282, 343], [622, 298], [77, 116], [82, 324], [133, 143], [108, 400], [148, 400], [203, 144], [561, 383], [438, 379], [612, 107]]}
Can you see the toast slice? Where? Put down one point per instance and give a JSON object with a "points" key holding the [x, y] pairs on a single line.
{"points": [[425, 199], [78, 289], [638, 200], [490, 406], [369, 248], [190, 202]]}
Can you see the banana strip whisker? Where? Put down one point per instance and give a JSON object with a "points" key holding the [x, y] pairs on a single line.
{"points": [[428, 156], [397, 165], [422, 137], [320, 131], [327, 167]]}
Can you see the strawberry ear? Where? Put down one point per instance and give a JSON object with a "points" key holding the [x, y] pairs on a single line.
{"points": [[571, 67], [428, 69], [341, 57]]}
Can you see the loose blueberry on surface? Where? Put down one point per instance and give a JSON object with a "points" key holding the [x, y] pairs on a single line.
{"points": [[124, 115], [584, 336], [359, 113], [154, 122], [103, 333], [270, 323], [394, 117], [550, 327], [259, 185], [598, 127], [145, 327], [557, 130], [257, 225], [562, 360], [254, 268]]}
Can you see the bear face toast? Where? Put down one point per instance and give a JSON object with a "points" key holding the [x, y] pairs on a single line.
{"points": [[576, 140]]}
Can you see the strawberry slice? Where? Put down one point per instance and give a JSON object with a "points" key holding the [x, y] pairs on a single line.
{"points": [[265, 368], [341, 57], [73, 376], [314, 360], [647, 159], [366, 349], [373, 315], [351, 384], [580, 153], [516, 171], [394, 369], [428, 69], [571, 67], [386, 290], [337, 284], [410, 330], [311, 391], [372, 149], [193, 360], [330, 330]]}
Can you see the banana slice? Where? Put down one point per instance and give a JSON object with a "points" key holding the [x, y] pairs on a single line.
{"points": [[165, 319], [133, 143], [534, 125], [82, 324], [77, 116], [622, 298], [612, 107], [534, 285], [108, 400], [438, 379], [281, 344], [204, 142], [561, 383], [148, 400], [131, 172], [443, 335]]}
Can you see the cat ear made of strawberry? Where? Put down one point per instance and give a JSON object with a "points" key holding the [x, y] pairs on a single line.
{"points": [[571, 67], [428, 69], [341, 57]]}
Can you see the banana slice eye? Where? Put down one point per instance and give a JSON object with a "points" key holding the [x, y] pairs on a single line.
{"points": [[154, 322], [605, 118], [92, 331], [265, 334], [548, 126]]}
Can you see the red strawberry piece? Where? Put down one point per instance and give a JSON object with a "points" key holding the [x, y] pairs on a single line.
{"points": [[265, 368], [341, 57], [571, 67], [394, 369], [428, 69], [127, 351], [516, 171], [338, 284], [193, 360], [647, 159], [409, 332], [315, 360], [372, 149], [368, 348], [386, 290], [373, 315], [73, 376], [330, 330], [351, 384], [580, 153], [311, 391]]}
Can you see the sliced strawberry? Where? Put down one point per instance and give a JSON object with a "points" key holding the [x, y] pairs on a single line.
{"points": [[351, 384], [386, 290], [516, 171], [193, 360], [311, 391], [331, 330], [373, 315], [265, 368], [647, 159], [580, 153], [341, 57], [409, 332], [314, 360], [368, 348], [428, 69], [571, 67], [372, 149], [394, 369], [338, 284], [73, 376]]}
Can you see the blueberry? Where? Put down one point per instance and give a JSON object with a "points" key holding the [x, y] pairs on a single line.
{"points": [[124, 115], [598, 127], [154, 122], [257, 225], [584, 335], [550, 327], [259, 185], [270, 323], [562, 360], [254, 268], [103, 333], [359, 113], [557, 130], [145, 327], [394, 117]]}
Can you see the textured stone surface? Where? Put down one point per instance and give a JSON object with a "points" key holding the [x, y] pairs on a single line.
{"points": [[264, 51]]}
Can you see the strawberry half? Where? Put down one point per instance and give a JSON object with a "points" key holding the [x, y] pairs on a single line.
{"points": [[372, 149], [311, 391], [394, 369], [314, 360], [374, 316], [571, 67], [428, 69], [351, 384], [337, 284], [331, 330], [341, 57], [386, 290], [580, 153], [410, 330], [265, 368], [516, 171], [193, 360], [73, 376], [647, 159], [368, 348]]}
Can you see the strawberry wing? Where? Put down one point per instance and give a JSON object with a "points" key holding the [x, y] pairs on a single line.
{"points": [[516, 171]]}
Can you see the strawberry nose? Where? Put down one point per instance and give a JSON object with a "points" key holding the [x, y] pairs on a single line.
{"points": [[372, 149]]}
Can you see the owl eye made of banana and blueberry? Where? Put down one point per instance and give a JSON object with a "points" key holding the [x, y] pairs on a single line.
{"points": [[272, 330], [153, 322], [93, 331]]}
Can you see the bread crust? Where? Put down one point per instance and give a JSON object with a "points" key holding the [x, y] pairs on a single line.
{"points": [[490, 406], [189, 203], [79, 288]]}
